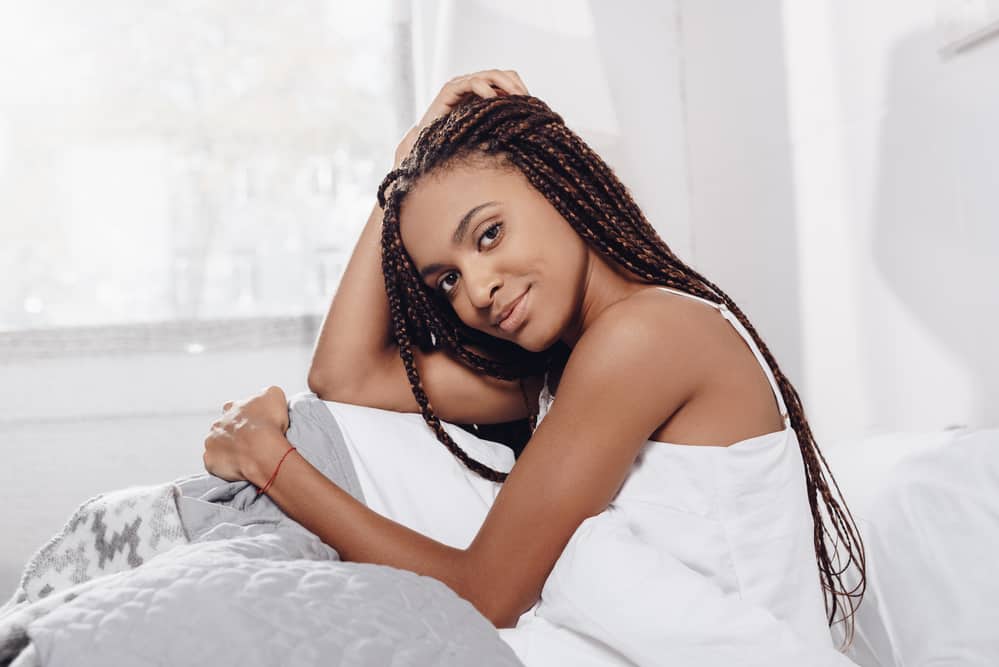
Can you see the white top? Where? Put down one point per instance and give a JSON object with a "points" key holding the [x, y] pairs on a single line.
{"points": [[705, 552]]}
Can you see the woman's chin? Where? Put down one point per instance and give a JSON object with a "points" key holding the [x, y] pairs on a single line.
{"points": [[535, 343], [527, 346]]}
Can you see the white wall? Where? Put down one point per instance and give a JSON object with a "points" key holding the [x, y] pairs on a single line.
{"points": [[896, 154], [844, 188], [740, 170]]}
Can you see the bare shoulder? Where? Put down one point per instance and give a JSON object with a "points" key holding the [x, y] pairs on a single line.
{"points": [[639, 358], [647, 333]]}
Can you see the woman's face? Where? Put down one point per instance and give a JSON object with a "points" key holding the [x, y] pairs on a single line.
{"points": [[483, 237]]}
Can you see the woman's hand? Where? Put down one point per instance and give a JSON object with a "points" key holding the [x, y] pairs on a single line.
{"points": [[248, 433], [487, 83]]}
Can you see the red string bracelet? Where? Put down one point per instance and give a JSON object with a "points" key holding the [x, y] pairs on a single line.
{"points": [[268, 484]]}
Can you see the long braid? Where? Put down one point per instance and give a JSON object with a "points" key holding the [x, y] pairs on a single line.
{"points": [[521, 132]]}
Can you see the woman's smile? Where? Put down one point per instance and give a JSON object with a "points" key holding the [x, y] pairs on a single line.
{"points": [[512, 322]]}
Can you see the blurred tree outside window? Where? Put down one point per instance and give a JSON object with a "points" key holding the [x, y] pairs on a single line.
{"points": [[190, 160]]}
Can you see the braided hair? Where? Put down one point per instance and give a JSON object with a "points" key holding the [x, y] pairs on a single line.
{"points": [[522, 132]]}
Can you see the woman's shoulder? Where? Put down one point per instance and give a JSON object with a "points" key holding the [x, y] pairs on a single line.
{"points": [[650, 332], [658, 304], [650, 322], [630, 363], [655, 314]]}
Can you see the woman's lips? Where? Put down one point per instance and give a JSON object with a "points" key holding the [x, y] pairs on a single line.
{"points": [[516, 317]]}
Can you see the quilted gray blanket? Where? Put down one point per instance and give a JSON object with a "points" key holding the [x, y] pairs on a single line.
{"points": [[201, 571]]}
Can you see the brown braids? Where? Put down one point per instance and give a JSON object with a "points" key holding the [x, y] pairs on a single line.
{"points": [[522, 132]]}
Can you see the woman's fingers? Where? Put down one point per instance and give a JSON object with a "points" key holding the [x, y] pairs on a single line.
{"points": [[480, 83], [482, 88], [516, 77], [487, 83], [502, 79], [228, 404], [511, 82]]}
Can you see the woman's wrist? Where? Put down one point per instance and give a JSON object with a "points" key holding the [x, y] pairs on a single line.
{"points": [[405, 146], [265, 457]]}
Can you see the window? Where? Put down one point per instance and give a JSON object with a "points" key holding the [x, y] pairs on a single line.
{"points": [[175, 161]]}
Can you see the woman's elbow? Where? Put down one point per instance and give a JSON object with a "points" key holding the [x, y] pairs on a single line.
{"points": [[505, 622], [320, 384]]}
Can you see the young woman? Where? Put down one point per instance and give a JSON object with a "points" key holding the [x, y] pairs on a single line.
{"points": [[505, 263]]}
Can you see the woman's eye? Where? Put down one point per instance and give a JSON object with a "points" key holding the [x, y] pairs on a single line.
{"points": [[447, 281], [491, 233], [443, 284]]}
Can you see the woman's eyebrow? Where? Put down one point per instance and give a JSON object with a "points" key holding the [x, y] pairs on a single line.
{"points": [[457, 237], [459, 232]]}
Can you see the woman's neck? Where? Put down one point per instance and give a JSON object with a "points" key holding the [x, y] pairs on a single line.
{"points": [[603, 284]]}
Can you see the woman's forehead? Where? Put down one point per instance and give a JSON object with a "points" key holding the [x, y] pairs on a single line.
{"points": [[456, 188], [438, 205]]}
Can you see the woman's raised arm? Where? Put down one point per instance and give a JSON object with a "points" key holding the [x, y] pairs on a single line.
{"points": [[357, 330], [355, 359]]}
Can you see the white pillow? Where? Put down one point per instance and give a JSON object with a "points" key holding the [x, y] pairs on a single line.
{"points": [[928, 510], [409, 476]]}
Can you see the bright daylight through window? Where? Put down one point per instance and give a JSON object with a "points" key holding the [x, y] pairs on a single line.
{"points": [[184, 161]]}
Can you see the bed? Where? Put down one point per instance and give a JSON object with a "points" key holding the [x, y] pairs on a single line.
{"points": [[928, 508], [216, 575]]}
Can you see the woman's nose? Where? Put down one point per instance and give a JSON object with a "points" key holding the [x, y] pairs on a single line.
{"points": [[481, 289]]}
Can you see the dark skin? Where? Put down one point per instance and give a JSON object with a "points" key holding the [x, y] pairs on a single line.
{"points": [[664, 365]]}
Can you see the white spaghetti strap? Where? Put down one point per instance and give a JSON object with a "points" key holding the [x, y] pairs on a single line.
{"points": [[746, 336], [719, 306], [734, 321]]}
